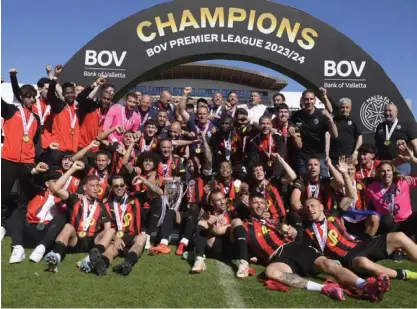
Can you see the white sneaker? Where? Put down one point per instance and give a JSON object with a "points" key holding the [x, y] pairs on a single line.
{"points": [[37, 254], [243, 269], [18, 254], [52, 261], [199, 265], [2, 233], [148, 242]]}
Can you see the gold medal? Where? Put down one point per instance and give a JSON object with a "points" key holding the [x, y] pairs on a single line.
{"points": [[100, 191], [387, 143], [359, 186], [26, 138], [235, 138], [173, 166], [153, 146], [82, 234], [120, 234], [197, 150], [268, 203], [269, 163], [233, 149], [72, 131]]}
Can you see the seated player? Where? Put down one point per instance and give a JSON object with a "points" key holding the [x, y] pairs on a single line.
{"points": [[149, 139], [288, 261], [367, 163], [313, 185], [170, 165], [259, 184], [38, 224], [328, 235], [124, 212], [357, 218], [389, 195], [230, 187], [196, 176], [89, 225], [146, 187], [101, 170], [214, 235]]}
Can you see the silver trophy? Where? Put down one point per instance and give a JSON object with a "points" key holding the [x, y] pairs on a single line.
{"points": [[174, 191]]}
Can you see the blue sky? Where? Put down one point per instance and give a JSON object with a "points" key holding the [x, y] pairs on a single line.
{"points": [[36, 33]]}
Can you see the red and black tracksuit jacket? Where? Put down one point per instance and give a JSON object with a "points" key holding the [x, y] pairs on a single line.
{"points": [[339, 242]]}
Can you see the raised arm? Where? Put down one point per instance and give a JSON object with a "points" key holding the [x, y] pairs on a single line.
{"points": [[296, 195], [126, 157], [347, 200], [325, 100], [295, 134], [151, 186], [80, 154], [57, 188], [332, 126], [292, 176], [182, 105], [15, 84], [208, 155], [337, 177]]}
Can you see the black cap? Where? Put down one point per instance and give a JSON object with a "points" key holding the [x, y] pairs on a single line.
{"points": [[367, 148]]}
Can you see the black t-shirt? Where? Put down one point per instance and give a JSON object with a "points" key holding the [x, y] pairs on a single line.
{"points": [[313, 128], [344, 144], [403, 131]]}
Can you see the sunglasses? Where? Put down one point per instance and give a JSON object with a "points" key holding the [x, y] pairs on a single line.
{"points": [[119, 186]]}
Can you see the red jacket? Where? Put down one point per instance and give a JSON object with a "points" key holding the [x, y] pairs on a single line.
{"points": [[15, 149]]}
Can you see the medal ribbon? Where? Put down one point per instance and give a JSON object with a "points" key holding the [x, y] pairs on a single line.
{"points": [[321, 241], [41, 115], [142, 122], [87, 218], [389, 198], [388, 133], [26, 125], [228, 146], [119, 217], [73, 117], [313, 193], [167, 167], [144, 147], [46, 207], [370, 172], [205, 128]]}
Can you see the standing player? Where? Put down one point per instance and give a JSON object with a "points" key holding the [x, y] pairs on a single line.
{"points": [[22, 144]]}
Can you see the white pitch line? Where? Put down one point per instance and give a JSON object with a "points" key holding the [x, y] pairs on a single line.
{"points": [[229, 283]]}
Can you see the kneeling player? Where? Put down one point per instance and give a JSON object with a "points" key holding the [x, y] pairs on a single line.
{"points": [[330, 236], [213, 236], [124, 212], [87, 216], [288, 261]]}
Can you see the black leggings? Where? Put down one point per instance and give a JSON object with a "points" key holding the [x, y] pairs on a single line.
{"points": [[150, 216], [25, 234], [408, 227], [189, 218], [10, 172]]}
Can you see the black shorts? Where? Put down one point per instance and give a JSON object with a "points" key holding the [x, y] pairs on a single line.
{"points": [[299, 257], [128, 240], [374, 248], [222, 249], [356, 229], [83, 245]]}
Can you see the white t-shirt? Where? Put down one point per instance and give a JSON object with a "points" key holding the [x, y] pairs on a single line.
{"points": [[255, 111]]}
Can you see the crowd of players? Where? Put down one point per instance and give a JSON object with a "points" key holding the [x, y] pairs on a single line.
{"points": [[298, 192]]}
